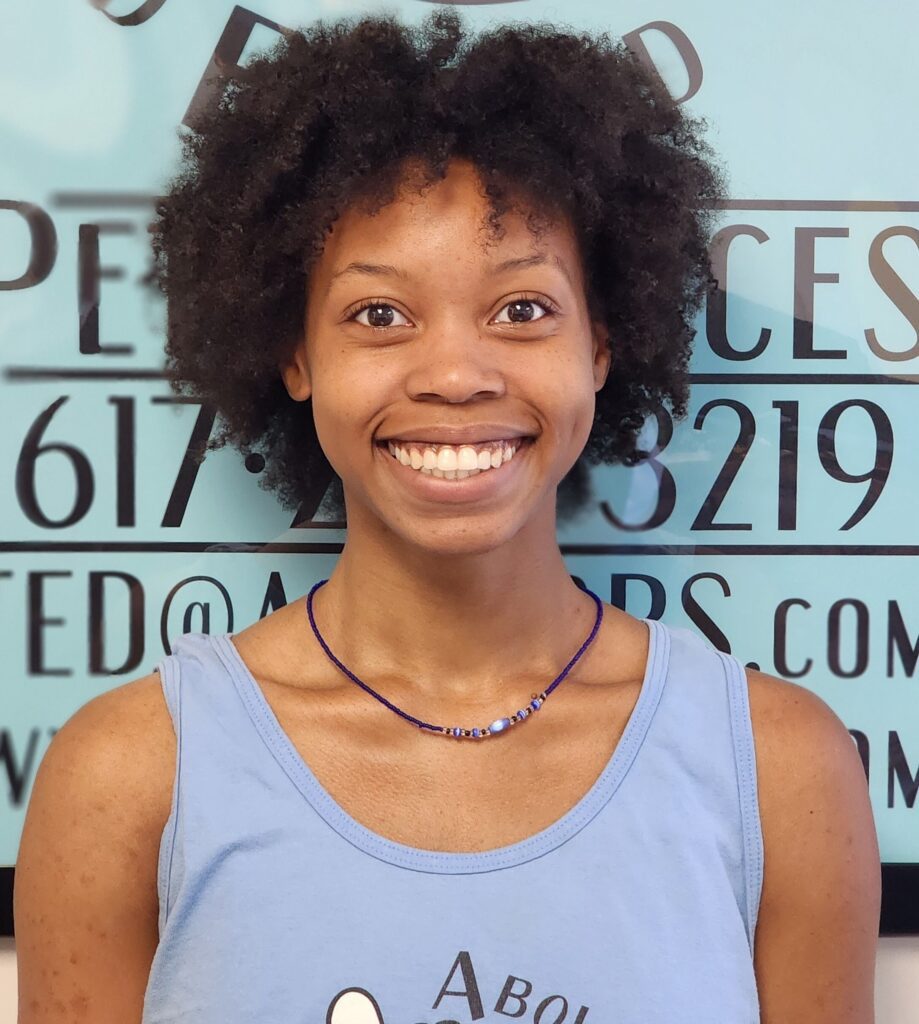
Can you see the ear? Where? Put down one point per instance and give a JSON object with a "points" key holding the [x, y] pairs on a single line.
{"points": [[295, 373], [602, 354]]}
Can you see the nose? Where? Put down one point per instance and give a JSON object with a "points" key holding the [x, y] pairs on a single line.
{"points": [[454, 363]]}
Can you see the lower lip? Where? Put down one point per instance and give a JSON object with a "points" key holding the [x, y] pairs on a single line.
{"points": [[485, 484]]}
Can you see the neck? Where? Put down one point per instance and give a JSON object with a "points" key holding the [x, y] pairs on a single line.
{"points": [[454, 626]]}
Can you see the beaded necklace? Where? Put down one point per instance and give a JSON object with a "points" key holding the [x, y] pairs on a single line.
{"points": [[499, 724]]}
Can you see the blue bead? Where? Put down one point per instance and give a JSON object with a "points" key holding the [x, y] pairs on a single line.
{"points": [[499, 724], [521, 713], [475, 732], [457, 731], [534, 704]]}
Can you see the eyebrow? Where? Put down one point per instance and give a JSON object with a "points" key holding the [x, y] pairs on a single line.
{"points": [[515, 263]]}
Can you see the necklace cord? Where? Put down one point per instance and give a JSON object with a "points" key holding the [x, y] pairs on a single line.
{"points": [[500, 724]]}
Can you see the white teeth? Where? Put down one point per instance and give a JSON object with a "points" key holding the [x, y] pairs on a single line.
{"points": [[467, 458], [452, 463]]}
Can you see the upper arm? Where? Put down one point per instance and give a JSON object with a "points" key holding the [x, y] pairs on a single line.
{"points": [[817, 928], [84, 899]]}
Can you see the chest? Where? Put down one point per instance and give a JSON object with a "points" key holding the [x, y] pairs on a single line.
{"points": [[438, 793]]}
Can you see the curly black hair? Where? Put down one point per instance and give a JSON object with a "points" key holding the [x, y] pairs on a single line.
{"points": [[554, 120]]}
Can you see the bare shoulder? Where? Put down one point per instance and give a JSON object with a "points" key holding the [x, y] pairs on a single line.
{"points": [[819, 911], [112, 763], [136, 717], [85, 898], [807, 761], [127, 732], [792, 725]]}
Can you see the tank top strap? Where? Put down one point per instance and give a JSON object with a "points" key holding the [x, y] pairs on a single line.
{"points": [[704, 732], [214, 744], [197, 682], [745, 760]]}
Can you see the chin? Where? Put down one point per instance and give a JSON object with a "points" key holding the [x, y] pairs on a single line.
{"points": [[457, 538]]}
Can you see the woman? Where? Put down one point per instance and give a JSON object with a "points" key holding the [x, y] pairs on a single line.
{"points": [[431, 279]]}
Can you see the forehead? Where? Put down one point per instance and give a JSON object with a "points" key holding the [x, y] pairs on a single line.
{"points": [[443, 228]]}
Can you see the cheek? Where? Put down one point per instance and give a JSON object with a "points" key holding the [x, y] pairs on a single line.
{"points": [[579, 425], [332, 415], [571, 400], [346, 406]]}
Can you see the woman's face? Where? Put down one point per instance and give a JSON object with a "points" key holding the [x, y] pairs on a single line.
{"points": [[420, 340]]}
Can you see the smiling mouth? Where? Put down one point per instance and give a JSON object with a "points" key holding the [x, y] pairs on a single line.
{"points": [[454, 462]]}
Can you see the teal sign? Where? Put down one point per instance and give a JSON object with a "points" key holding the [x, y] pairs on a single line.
{"points": [[778, 519]]}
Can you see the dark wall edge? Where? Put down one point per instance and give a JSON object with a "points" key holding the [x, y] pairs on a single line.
{"points": [[899, 900]]}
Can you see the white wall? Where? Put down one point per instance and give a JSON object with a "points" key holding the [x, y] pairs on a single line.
{"points": [[896, 982], [896, 989], [7, 981]]}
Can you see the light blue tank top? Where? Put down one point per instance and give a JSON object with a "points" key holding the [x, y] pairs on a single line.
{"points": [[638, 906]]}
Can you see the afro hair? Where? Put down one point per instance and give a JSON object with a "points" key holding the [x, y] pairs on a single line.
{"points": [[554, 120]]}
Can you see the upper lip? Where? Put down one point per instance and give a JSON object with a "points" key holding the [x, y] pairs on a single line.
{"points": [[459, 435]]}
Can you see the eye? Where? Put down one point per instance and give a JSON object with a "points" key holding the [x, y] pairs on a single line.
{"points": [[520, 307], [380, 314]]}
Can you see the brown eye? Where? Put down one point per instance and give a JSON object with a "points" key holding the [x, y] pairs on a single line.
{"points": [[379, 314], [520, 310]]}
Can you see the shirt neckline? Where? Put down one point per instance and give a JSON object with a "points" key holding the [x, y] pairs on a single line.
{"points": [[455, 862]]}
